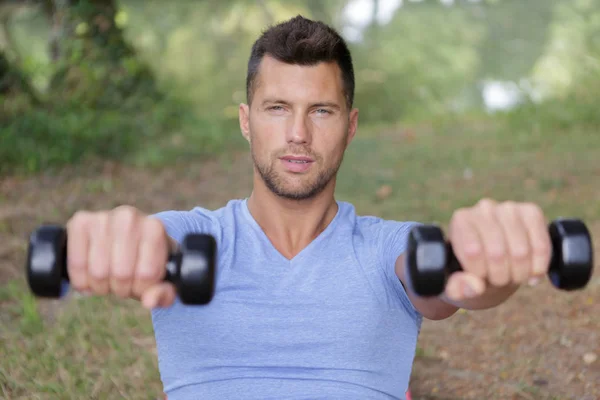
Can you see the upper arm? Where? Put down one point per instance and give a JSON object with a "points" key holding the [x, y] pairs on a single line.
{"points": [[390, 244], [177, 225], [393, 237], [431, 308]]}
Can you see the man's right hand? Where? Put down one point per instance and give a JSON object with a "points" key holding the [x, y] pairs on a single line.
{"points": [[123, 252]]}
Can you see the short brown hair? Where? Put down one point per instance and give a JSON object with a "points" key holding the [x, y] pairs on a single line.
{"points": [[304, 42]]}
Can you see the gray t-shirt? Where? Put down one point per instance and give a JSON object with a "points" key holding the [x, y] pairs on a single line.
{"points": [[332, 323]]}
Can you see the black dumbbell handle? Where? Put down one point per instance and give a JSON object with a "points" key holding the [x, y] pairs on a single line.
{"points": [[50, 240]]}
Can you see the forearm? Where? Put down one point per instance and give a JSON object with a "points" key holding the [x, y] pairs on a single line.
{"points": [[491, 297], [442, 307]]}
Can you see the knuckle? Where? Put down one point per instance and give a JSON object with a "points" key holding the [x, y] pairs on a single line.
{"points": [[496, 254], [78, 284], [149, 273], [99, 221], [121, 293], [508, 208], [502, 280], [533, 211], [79, 219], [76, 265], [520, 275], [486, 207], [541, 248], [459, 216], [99, 272], [499, 276], [125, 209], [154, 231], [461, 212], [154, 224], [101, 289], [472, 252], [124, 217], [520, 253], [138, 289], [121, 289], [486, 203], [122, 274]]}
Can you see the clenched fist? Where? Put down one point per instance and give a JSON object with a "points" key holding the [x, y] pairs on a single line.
{"points": [[497, 244], [123, 252]]}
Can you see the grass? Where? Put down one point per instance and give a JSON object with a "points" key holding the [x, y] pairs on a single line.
{"points": [[95, 348], [436, 168], [103, 348]]}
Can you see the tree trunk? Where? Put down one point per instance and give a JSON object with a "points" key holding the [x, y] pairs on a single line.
{"points": [[8, 83], [16, 94], [95, 65]]}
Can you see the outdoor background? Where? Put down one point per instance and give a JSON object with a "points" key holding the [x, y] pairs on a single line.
{"points": [[135, 102]]}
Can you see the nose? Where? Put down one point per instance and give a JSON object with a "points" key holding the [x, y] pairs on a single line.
{"points": [[299, 131]]}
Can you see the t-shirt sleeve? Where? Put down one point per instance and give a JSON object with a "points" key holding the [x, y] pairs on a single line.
{"points": [[178, 224], [392, 241]]}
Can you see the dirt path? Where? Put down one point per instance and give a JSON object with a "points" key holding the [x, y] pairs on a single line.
{"points": [[542, 344]]}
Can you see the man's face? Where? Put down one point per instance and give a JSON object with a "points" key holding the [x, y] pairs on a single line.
{"points": [[298, 127]]}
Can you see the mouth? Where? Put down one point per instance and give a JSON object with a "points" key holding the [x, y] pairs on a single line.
{"points": [[297, 159], [297, 163]]}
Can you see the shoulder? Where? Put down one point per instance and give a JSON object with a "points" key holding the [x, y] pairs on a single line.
{"points": [[382, 238], [378, 243], [377, 228], [199, 219]]}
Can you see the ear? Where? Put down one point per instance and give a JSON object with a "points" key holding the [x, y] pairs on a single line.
{"points": [[352, 125], [244, 116]]}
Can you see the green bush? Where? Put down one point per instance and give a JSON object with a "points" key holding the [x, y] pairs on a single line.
{"points": [[40, 139], [578, 108]]}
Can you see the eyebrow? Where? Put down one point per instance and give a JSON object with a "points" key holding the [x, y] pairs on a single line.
{"points": [[319, 104]]}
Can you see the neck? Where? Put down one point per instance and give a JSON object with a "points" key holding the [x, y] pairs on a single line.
{"points": [[290, 224]]}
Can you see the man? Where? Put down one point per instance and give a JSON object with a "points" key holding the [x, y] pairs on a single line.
{"points": [[310, 299]]}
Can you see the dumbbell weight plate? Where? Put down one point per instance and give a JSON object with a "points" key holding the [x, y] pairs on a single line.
{"points": [[46, 254], [426, 260], [572, 261], [196, 281]]}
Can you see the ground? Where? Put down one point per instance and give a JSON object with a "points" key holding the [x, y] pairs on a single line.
{"points": [[541, 344]]}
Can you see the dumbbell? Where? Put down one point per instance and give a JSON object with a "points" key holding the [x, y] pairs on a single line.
{"points": [[430, 260], [191, 269]]}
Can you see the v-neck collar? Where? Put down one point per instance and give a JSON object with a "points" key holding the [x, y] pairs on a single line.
{"points": [[322, 236]]}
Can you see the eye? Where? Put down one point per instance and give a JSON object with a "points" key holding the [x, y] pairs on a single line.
{"points": [[323, 111], [275, 108]]}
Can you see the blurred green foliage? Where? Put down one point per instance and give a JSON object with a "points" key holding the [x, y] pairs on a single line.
{"points": [[42, 140], [95, 66], [416, 65], [149, 81], [566, 75]]}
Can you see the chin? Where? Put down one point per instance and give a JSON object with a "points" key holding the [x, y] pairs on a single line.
{"points": [[289, 195], [294, 186], [294, 192]]}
